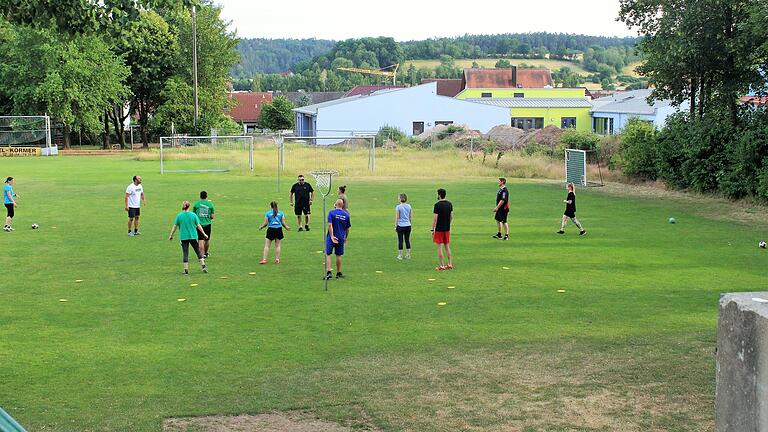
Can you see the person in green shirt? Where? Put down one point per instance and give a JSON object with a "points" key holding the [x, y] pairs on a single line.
{"points": [[205, 211], [188, 225]]}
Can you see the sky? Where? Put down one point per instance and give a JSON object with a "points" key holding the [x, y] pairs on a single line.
{"points": [[419, 19]]}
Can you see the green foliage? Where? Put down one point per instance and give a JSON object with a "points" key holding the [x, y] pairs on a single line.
{"points": [[565, 77], [449, 131], [638, 150], [580, 140], [277, 115], [391, 133], [503, 64]]}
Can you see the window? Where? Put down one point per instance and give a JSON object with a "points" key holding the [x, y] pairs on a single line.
{"points": [[486, 95], [567, 122], [418, 128], [443, 122], [519, 95], [528, 122]]}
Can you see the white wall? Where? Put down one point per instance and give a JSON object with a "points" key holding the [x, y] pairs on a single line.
{"points": [[400, 108]]}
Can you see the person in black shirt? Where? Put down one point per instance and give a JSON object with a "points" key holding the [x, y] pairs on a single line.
{"points": [[502, 209], [570, 211], [304, 197], [441, 229]]}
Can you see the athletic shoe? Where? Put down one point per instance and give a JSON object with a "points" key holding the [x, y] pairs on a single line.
{"points": [[205, 256], [497, 236], [400, 257], [339, 275], [506, 237], [328, 275], [5, 228], [130, 233], [582, 232], [186, 273], [263, 262], [449, 267], [407, 257], [277, 261], [301, 229], [11, 229], [561, 232], [205, 269], [441, 268], [137, 233], [306, 227]]}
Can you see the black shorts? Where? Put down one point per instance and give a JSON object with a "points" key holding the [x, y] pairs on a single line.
{"points": [[274, 233], [501, 215], [10, 210], [302, 208], [133, 212], [207, 230], [570, 214]]}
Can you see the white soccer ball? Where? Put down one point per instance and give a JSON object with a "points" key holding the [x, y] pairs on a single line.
{"points": [[762, 244], [35, 226]]}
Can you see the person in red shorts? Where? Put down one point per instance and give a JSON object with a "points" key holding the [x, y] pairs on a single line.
{"points": [[441, 230]]}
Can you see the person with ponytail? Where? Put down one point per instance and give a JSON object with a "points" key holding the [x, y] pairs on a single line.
{"points": [[570, 211], [274, 219], [188, 225], [9, 199]]}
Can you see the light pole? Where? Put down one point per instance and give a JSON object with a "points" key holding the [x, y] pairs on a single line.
{"points": [[194, 63]]}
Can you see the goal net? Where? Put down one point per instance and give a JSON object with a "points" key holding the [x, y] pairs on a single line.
{"points": [[26, 132], [576, 167], [206, 153]]}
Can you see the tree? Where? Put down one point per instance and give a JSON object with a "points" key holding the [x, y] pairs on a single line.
{"points": [[503, 64], [277, 115]]}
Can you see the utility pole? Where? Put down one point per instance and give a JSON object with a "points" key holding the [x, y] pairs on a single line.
{"points": [[194, 63]]}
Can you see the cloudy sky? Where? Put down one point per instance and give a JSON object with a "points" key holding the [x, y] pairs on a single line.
{"points": [[419, 19]]}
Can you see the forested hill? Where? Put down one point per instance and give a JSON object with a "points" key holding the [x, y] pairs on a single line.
{"points": [[276, 55], [267, 56]]}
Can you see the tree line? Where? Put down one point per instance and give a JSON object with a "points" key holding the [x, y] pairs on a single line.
{"points": [[91, 67]]}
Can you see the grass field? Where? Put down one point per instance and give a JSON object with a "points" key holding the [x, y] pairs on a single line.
{"points": [[628, 346]]}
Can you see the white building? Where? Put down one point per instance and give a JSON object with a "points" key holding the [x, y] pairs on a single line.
{"points": [[611, 114], [411, 110]]}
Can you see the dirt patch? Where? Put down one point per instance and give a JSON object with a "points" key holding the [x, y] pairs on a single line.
{"points": [[291, 421], [508, 137]]}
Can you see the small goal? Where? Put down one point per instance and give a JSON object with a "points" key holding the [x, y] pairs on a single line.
{"points": [[576, 169], [26, 135], [196, 154]]}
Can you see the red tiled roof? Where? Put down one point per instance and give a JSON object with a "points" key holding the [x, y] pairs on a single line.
{"points": [[446, 87], [368, 89], [248, 108], [755, 100], [489, 78], [534, 78]]}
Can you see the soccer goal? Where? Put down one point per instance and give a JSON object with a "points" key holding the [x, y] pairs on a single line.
{"points": [[26, 136], [576, 169], [191, 154]]}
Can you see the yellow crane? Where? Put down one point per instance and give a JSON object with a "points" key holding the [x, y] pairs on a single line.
{"points": [[389, 71]]}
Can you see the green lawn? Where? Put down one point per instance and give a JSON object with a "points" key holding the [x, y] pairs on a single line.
{"points": [[629, 346]]}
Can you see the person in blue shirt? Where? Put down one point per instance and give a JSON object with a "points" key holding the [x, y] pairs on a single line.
{"points": [[338, 232], [9, 199], [274, 219]]}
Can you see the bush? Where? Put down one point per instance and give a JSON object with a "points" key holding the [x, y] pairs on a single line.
{"points": [[638, 150], [609, 155], [580, 140], [448, 131], [391, 133]]}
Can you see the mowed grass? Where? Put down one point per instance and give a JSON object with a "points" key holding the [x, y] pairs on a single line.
{"points": [[628, 346]]}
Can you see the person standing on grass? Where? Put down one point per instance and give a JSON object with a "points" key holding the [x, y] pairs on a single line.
{"points": [[403, 214], [188, 225], [205, 212], [304, 197], [274, 219], [343, 196], [134, 196], [570, 211], [338, 232], [502, 209], [441, 230], [9, 199]]}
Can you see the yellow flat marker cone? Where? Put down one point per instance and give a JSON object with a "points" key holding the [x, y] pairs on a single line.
{"points": [[442, 304], [63, 300], [505, 268], [53, 227], [224, 277], [252, 273], [181, 300], [193, 285], [379, 271], [78, 280], [319, 252], [451, 287], [431, 279], [561, 291]]}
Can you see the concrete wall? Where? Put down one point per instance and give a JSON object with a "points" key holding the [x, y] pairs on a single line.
{"points": [[741, 395]]}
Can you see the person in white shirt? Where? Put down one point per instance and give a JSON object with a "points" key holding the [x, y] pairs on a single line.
{"points": [[134, 196]]}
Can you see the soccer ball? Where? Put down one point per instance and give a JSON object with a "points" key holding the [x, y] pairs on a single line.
{"points": [[35, 226], [672, 220], [762, 244]]}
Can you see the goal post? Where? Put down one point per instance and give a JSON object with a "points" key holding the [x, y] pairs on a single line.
{"points": [[19, 135], [576, 167], [195, 154]]}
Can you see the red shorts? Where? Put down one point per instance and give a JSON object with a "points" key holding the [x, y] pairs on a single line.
{"points": [[441, 237]]}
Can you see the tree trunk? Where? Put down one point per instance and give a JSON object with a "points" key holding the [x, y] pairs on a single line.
{"points": [[117, 115], [143, 121], [702, 97], [66, 136], [105, 132], [694, 87]]}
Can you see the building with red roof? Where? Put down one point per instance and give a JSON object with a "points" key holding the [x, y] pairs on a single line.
{"points": [[248, 108]]}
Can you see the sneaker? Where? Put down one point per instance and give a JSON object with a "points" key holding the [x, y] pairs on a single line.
{"points": [[263, 262], [277, 261], [205, 269], [497, 236], [137, 233], [440, 268], [449, 267], [306, 227], [400, 257], [186, 273], [11, 229], [328, 275], [582, 232], [506, 237], [407, 257], [130, 233], [561, 232], [5, 228], [206, 256], [339, 275], [301, 229]]}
